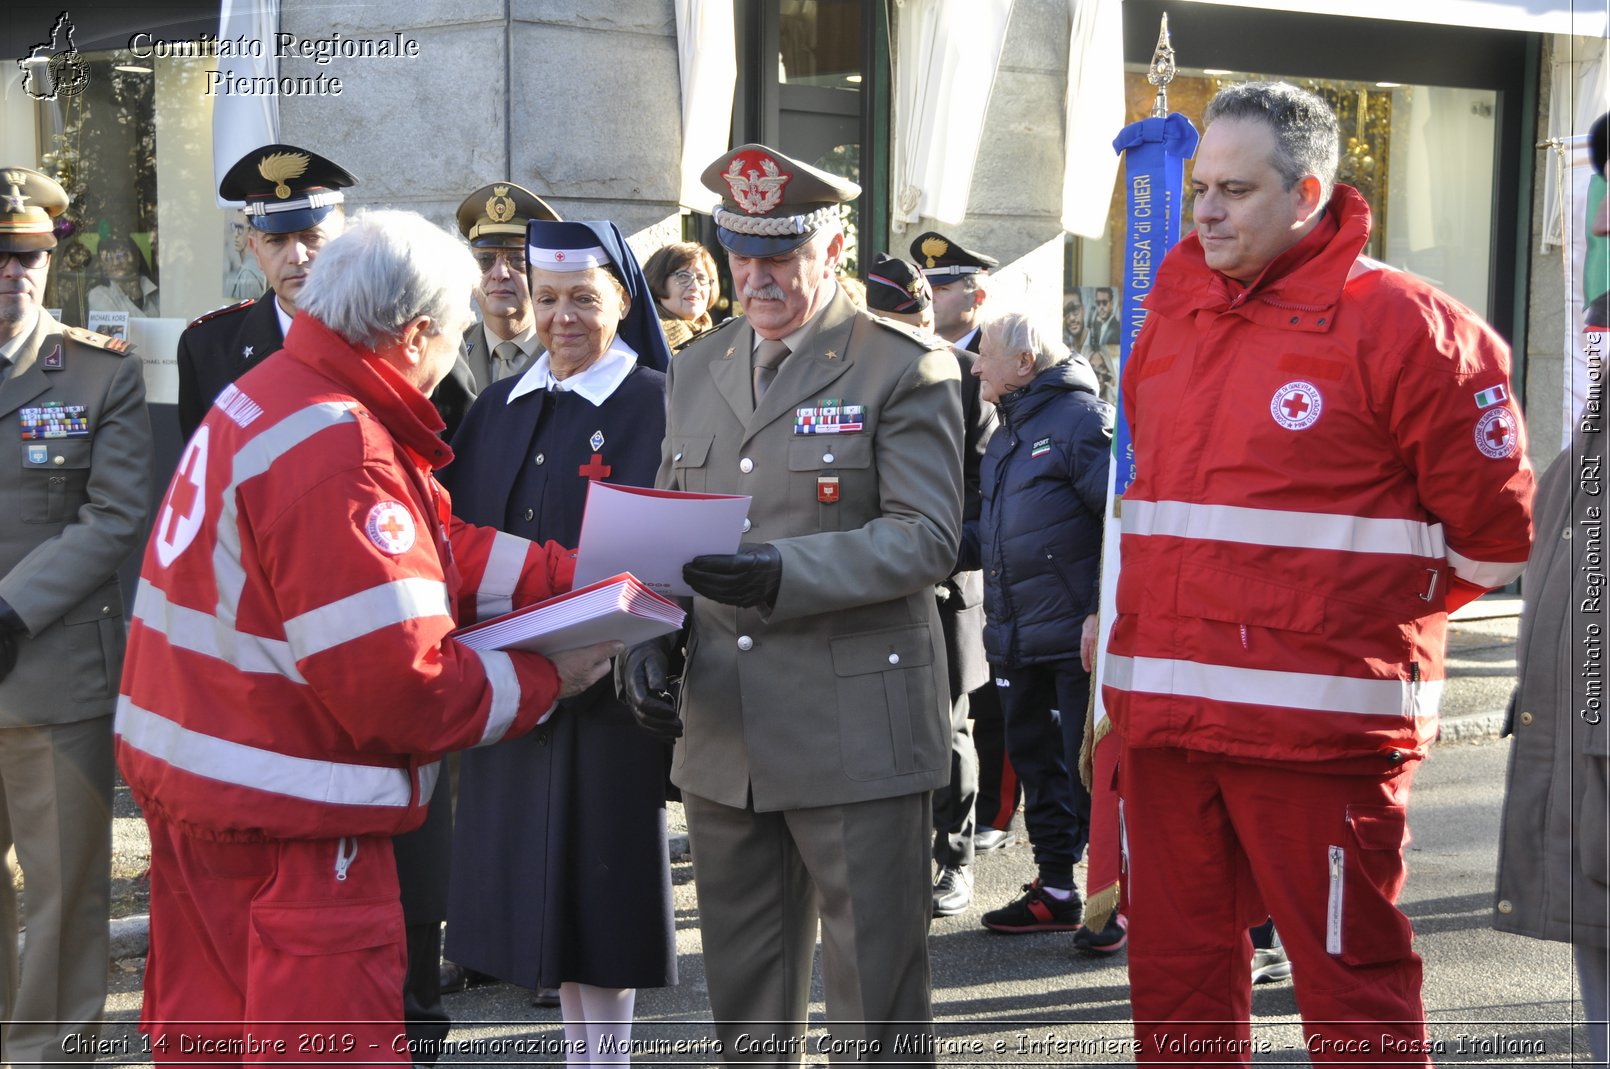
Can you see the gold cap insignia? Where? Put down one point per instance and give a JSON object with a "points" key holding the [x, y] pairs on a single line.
{"points": [[280, 167], [933, 248], [499, 208]]}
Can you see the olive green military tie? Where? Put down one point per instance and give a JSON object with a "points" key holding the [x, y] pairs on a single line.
{"points": [[769, 356]]}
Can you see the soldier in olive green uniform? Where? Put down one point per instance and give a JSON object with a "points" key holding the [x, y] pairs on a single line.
{"points": [[493, 220], [816, 698], [75, 493]]}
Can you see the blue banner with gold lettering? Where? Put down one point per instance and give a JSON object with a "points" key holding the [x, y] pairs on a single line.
{"points": [[1154, 151]]}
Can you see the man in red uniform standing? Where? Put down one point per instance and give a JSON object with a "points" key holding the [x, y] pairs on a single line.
{"points": [[1328, 462], [291, 681]]}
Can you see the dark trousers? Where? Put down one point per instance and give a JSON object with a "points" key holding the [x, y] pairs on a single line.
{"points": [[953, 803], [1045, 721], [423, 856], [424, 1020], [999, 791]]}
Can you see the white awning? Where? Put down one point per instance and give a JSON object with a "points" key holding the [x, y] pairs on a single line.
{"points": [[243, 122], [945, 58], [1580, 18], [708, 62], [1094, 113]]}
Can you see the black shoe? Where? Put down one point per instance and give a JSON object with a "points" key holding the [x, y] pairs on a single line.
{"points": [[545, 998], [953, 890], [456, 978], [1270, 965], [1110, 940], [1037, 911], [986, 839]]}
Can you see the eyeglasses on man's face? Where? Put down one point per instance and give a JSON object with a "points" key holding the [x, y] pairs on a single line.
{"points": [[487, 259], [31, 260], [689, 279]]}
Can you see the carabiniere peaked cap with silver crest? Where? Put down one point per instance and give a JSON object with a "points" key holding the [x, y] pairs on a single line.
{"points": [[771, 204], [496, 215], [285, 188]]}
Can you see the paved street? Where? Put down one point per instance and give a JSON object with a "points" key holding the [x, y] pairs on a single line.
{"points": [[1027, 1000]]}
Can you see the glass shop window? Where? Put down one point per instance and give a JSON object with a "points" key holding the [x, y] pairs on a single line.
{"points": [[819, 75], [142, 247]]}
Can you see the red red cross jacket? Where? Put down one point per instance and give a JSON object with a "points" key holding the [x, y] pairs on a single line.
{"points": [[1326, 464], [289, 673]]}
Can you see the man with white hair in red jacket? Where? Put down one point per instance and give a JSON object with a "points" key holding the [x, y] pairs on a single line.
{"points": [[292, 680]]}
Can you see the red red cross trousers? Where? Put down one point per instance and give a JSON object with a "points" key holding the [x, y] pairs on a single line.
{"points": [[1295, 406], [595, 468]]}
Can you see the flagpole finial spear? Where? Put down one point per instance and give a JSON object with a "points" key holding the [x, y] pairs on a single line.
{"points": [[1162, 70]]}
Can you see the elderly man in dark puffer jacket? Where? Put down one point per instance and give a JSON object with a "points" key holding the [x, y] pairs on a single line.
{"points": [[1038, 539]]}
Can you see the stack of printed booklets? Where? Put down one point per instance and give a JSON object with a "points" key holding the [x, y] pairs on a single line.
{"points": [[619, 607]]}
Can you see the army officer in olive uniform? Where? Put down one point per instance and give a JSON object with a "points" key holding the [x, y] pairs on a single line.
{"points": [[815, 696], [493, 220], [75, 483]]}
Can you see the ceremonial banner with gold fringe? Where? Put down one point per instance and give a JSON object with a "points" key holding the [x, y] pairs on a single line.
{"points": [[1154, 151]]}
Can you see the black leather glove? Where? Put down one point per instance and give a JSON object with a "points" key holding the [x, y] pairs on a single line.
{"points": [[12, 629], [746, 578], [642, 679]]}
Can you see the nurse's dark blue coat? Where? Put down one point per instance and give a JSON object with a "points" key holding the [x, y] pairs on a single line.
{"points": [[560, 870]]}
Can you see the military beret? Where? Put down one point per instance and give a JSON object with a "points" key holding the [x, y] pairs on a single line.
{"points": [[29, 205], [771, 204], [942, 260], [894, 285], [497, 214], [285, 188]]}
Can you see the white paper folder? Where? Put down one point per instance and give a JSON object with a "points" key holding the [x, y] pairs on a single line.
{"points": [[619, 608], [653, 533]]}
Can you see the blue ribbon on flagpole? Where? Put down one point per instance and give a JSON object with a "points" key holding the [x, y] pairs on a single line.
{"points": [[1154, 151]]}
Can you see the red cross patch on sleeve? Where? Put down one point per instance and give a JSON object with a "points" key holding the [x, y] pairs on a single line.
{"points": [[390, 527]]}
